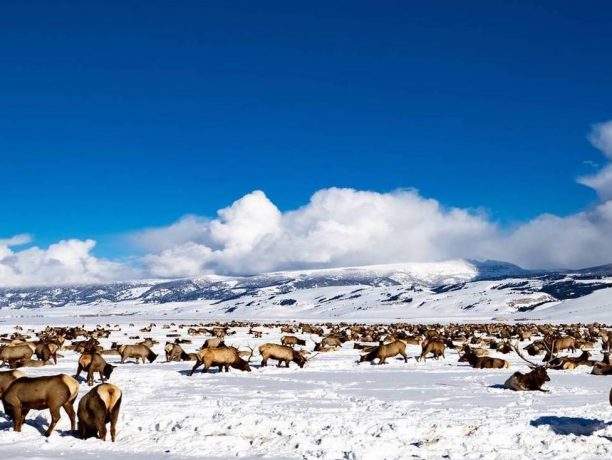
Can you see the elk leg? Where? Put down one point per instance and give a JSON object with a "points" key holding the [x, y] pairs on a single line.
{"points": [[69, 408], [90, 376], [55, 416], [78, 372], [102, 376], [404, 355], [18, 419], [101, 429], [197, 364], [287, 363], [113, 422], [264, 362]]}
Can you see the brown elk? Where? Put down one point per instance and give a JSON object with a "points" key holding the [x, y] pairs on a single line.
{"points": [[94, 362], [222, 357], [433, 346], [282, 354], [50, 392], [567, 363], [8, 377], [174, 352], [136, 351], [13, 352], [328, 342], [213, 343], [532, 381], [46, 351], [483, 362], [97, 408], [384, 351], [292, 341]]}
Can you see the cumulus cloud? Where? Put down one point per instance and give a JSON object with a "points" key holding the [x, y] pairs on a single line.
{"points": [[337, 227], [65, 262]]}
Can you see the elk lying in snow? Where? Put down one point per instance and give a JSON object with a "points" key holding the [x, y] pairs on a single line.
{"points": [[94, 362], [433, 346], [8, 377], [174, 352], [566, 363], [97, 408], [483, 362], [18, 363], [532, 381], [282, 354], [384, 351], [50, 392], [603, 367], [292, 341], [222, 357], [136, 351], [14, 352]]}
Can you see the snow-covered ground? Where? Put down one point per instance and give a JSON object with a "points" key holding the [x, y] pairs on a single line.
{"points": [[333, 408]]}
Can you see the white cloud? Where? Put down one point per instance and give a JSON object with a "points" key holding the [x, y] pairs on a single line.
{"points": [[601, 182], [337, 227], [65, 262]]}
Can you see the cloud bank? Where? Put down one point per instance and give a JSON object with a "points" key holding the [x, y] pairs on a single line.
{"points": [[337, 227]]}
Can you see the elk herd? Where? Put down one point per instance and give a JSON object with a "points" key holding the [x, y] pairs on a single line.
{"points": [[549, 347]]}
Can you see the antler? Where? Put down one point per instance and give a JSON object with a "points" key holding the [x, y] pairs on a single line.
{"points": [[518, 352]]}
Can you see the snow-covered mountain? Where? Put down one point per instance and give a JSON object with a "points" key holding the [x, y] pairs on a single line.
{"points": [[451, 289]]}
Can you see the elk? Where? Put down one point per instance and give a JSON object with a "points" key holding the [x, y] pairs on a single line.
{"points": [[559, 344], [46, 351], [566, 363], [433, 346], [222, 357], [14, 352], [49, 392], [94, 362], [483, 362], [281, 353], [327, 342], [292, 341], [136, 351], [532, 381], [97, 408], [213, 343], [8, 377], [174, 352], [384, 351]]}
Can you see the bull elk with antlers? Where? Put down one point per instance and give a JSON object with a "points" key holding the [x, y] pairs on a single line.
{"points": [[532, 381]]}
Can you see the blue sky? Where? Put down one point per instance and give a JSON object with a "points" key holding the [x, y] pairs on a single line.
{"points": [[121, 115]]}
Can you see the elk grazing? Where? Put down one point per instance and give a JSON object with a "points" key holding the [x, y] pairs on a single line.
{"points": [[136, 351], [532, 381], [174, 352], [483, 362], [282, 354], [97, 408], [50, 392], [384, 351], [433, 346], [292, 341], [94, 362], [222, 357], [8, 377]]}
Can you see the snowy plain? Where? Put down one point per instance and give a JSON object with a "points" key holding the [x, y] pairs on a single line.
{"points": [[334, 408]]}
